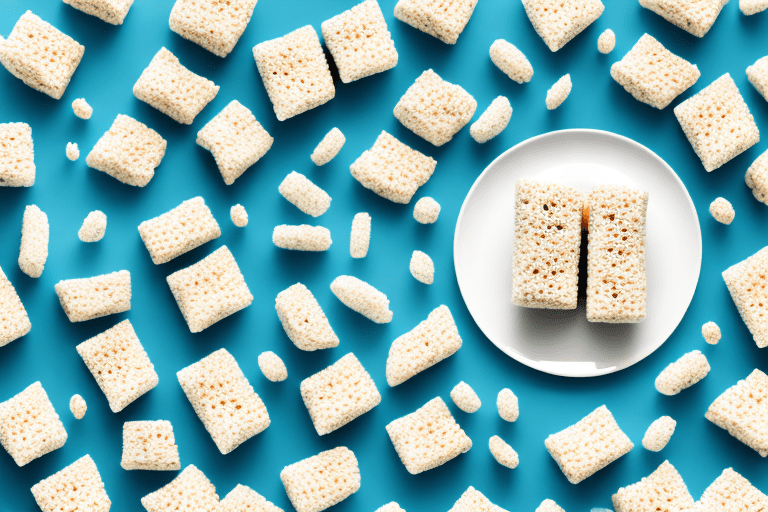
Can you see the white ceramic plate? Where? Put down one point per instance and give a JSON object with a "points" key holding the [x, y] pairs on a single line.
{"points": [[563, 342]]}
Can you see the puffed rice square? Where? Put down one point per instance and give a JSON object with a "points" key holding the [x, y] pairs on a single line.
{"points": [[694, 16], [76, 487], [17, 155], [662, 491], [190, 490], [442, 19], [558, 22], [244, 499], [747, 282], [757, 74], [303, 319], [756, 178], [683, 373], [33, 252], [731, 491], [329, 147], [94, 297], [474, 501], [214, 25], [319, 482], [750, 7], [150, 446], [363, 298], [14, 321], [302, 238], [298, 190], [111, 11]]}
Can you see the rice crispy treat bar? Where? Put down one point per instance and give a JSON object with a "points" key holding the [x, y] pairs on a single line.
{"points": [[216, 26], [33, 252], [558, 22], [360, 238], [360, 42], [392, 170], [683, 373], [338, 394], [589, 445], [421, 449], [178, 231], [329, 147], [111, 11], [511, 61], [503, 453], [14, 321], [173, 89], [444, 20], [149, 445], [40, 55], [662, 491], [731, 491], [17, 155], [302, 238], [303, 319], [746, 282], [362, 297], [76, 487], [272, 366], [82, 109], [298, 190], [547, 245], [616, 276], [295, 72], [474, 501], [750, 7], [191, 490], [694, 16], [224, 400], [652, 74], [757, 178], [94, 297], [236, 140], [319, 482], [422, 267], [493, 121], [757, 73], [210, 290], [244, 499], [718, 123], [129, 151], [659, 433], [93, 228], [434, 109]]}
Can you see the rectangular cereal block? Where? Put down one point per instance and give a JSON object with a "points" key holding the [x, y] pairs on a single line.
{"points": [[589, 445], [29, 425], [94, 297], [129, 151], [662, 491], [14, 321], [558, 22], [178, 231], [17, 155], [244, 499], [33, 252], [545, 261], [40, 55], [149, 445], [298, 190], [473, 500], [214, 25], [303, 319], [224, 400], [757, 74], [76, 487], [442, 19], [421, 449], [746, 282], [732, 492], [191, 491], [392, 170], [173, 89], [319, 482], [694, 16], [111, 11], [295, 72], [616, 275]]}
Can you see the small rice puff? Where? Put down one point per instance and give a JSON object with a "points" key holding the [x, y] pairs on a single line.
{"points": [[606, 42], [465, 398], [238, 215], [272, 366], [508, 406], [559, 92], [503, 453], [711, 333], [659, 433], [722, 211], [426, 210]]}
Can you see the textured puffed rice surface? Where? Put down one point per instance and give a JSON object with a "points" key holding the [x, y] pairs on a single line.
{"points": [[756, 177], [757, 74], [511, 61], [731, 491], [150, 446], [76, 487], [302, 238], [559, 92], [329, 147], [443, 20], [694, 16], [558, 22], [746, 282], [94, 297], [73, 152], [190, 490], [661, 491], [272, 366], [244, 499], [390, 507], [474, 501], [750, 7], [659, 433], [722, 211], [422, 268], [426, 210], [711, 333], [216, 26], [493, 121], [465, 397], [82, 109], [94, 226], [298, 190], [319, 482], [360, 237], [507, 405], [77, 406], [238, 215], [14, 322], [17, 155], [683, 373], [503, 453], [33, 252], [363, 298], [606, 42], [549, 506], [111, 11], [303, 319]]}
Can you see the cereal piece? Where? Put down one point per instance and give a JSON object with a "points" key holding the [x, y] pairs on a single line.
{"points": [[549, 506], [616, 275], [434, 109], [216, 26], [76, 487], [236, 140], [129, 152], [40, 55], [302, 238], [319, 482], [741, 411], [421, 449], [360, 238], [150, 446], [722, 210], [210, 290], [173, 89], [556, 23], [694, 16], [493, 121], [503, 453], [606, 42], [295, 72], [661, 491], [559, 92], [14, 321], [94, 226], [94, 297], [33, 252], [329, 147], [589, 445], [17, 155], [507, 404], [746, 282], [77, 406], [731, 491], [659, 433], [339, 394], [426, 211], [511, 61], [711, 333], [111, 11], [474, 501], [191, 490], [757, 178], [29, 425], [360, 42], [433, 340], [718, 140], [238, 215], [465, 397], [392, 170], [363, 298], [750, 7], [73, 152], [120, 365], [304, 195], [303, 319], [443, 20], [683, 373], [272, 367], [178, 231], [757, 74], [422, 267], [545, 260], [390, 507], [244, 499], [82, 109]]}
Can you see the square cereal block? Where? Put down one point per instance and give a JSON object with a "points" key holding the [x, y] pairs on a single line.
{"points": [[17, 155], [295, 72], [173, 89], [474, 501], [191, 491], [756, 178], [149, 445], [40, 55], [244, 499], [589, 445], [421, 449], [29, 425], [339, 394], [443, 19], [434, 109], [741, 411], [303, 319], [757, 74], [214, 25], [558, 22], [14, 321], [694, 16], [732, 492], [661, 491], [94, 297], [319, 482], [360, 42], [224, 400], [747, 283], [111, 11], [210, 290], [236, 139], [120, 365], [76, 487]]}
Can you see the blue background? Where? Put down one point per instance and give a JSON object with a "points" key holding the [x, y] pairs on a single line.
{"points": [[115, 57]]}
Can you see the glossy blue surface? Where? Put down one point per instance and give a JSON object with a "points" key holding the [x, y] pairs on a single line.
{"points": [[66, 191]]}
